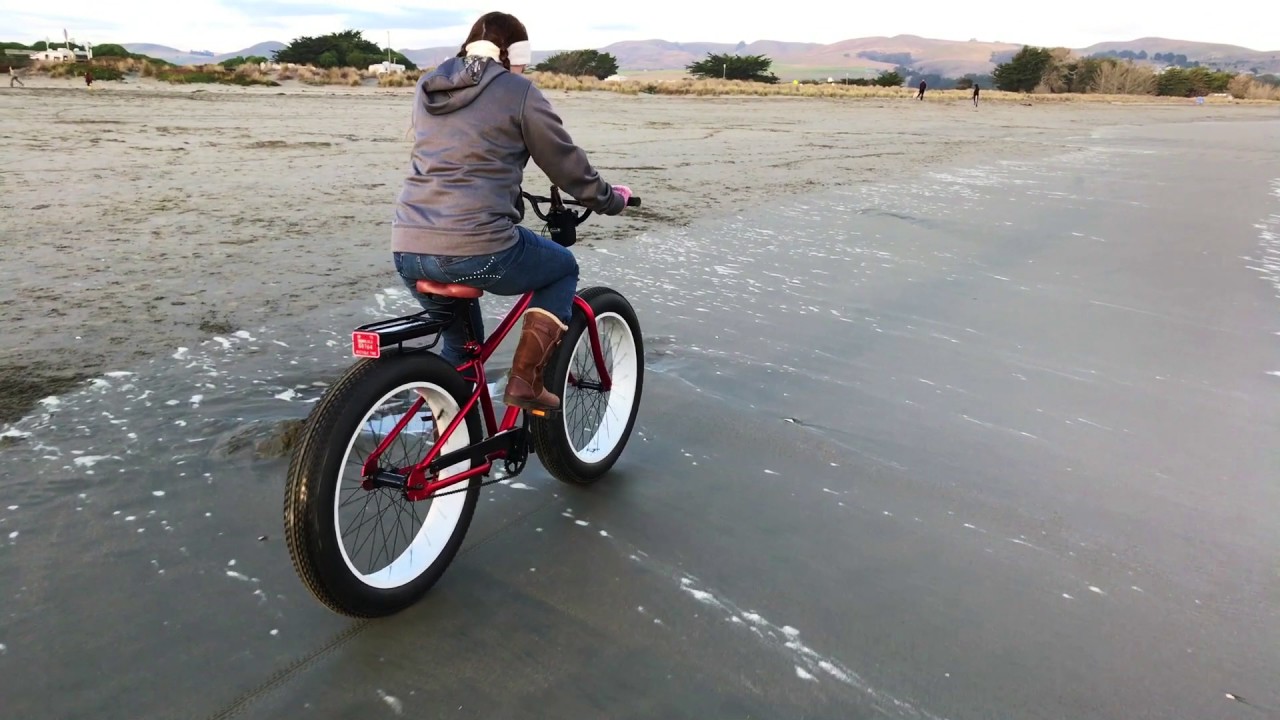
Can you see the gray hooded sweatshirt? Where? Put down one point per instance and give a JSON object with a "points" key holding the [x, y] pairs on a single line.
{"points": [[476, 125]]}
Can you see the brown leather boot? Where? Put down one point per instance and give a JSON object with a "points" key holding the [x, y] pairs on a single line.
{"points": [[539, 338]]}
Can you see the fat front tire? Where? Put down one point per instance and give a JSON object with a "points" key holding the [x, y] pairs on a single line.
{"points": [[581, 442]]}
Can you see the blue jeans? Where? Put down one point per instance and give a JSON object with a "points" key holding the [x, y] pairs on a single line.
{"points": [[534, 263]]}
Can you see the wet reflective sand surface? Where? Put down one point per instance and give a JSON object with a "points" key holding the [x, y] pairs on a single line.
{"points": [[996, 439]]}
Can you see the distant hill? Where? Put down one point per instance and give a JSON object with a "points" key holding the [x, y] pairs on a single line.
{"points": [[263, 49], [164, 52], [1232, 57], [944, 57], [636, 55], [431, 57], [1200, 50], [950, 58], [189, 57]]}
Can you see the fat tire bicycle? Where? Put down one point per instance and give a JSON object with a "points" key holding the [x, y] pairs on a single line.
{"points": [[422, 480]]}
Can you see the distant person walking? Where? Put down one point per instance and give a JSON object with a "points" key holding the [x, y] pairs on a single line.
{"points": [[922, 87], [13, 78], [976, 87], [88, 79]]}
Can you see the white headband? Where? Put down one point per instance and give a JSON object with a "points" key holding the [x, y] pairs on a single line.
{"points": [[519, 53]]}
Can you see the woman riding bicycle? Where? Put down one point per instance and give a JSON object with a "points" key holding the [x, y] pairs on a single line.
{"points": [[477, 121]]}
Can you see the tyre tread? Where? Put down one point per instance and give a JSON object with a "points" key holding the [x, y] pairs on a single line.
{"points": [[299, 485]]}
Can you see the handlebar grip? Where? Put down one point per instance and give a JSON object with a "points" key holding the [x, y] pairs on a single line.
{"points": [[633, 201]]}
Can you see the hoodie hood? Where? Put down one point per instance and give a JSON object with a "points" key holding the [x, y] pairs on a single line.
{"points": [[457, 82]]}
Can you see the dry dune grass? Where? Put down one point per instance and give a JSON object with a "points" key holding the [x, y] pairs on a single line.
{"points": [[127, 65], [56, 70], [692, 87], [1243, 89], [252, 72], [405, 79], [329, 76], [111, 68], [1247, 87]]}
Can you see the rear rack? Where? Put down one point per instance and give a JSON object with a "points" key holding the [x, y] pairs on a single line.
{"points": [[369, 340]]}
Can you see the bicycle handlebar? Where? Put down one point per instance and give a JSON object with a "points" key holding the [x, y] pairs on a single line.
{"points": [[561, 221], [633, 201]]}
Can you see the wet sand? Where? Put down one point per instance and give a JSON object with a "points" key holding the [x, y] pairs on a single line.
{"points": [[139, 217], [988, 438]]}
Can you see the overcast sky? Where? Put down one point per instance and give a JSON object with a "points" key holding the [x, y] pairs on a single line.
{"points": [[229, 25]]}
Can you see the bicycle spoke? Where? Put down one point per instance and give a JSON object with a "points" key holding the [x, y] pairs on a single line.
{"points": [[381, 525]]}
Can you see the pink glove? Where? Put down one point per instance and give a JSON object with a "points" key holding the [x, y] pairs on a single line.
{"points": [[625, 192]]}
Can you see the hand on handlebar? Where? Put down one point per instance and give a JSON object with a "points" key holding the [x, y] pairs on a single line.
{"points": [[625, 192]]}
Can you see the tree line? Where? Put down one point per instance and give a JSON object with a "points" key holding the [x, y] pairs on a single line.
{"points": [[1174, 59], [1056, 70], [348, 48]]}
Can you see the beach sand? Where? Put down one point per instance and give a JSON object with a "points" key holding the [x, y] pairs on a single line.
{"points": [[138, 217]]}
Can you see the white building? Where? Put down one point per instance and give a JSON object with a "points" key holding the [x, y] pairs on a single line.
{"points": [[385, 67], [68, 53], [54, 55]]}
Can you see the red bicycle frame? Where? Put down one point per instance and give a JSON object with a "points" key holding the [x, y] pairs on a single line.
{"points": [[417, 486]]}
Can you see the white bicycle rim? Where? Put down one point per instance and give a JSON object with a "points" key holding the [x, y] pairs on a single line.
{"points": [[615, 335], [445, 512]]}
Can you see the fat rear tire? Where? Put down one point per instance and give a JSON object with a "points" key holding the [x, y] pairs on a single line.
{"points": [[310, 522]]}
